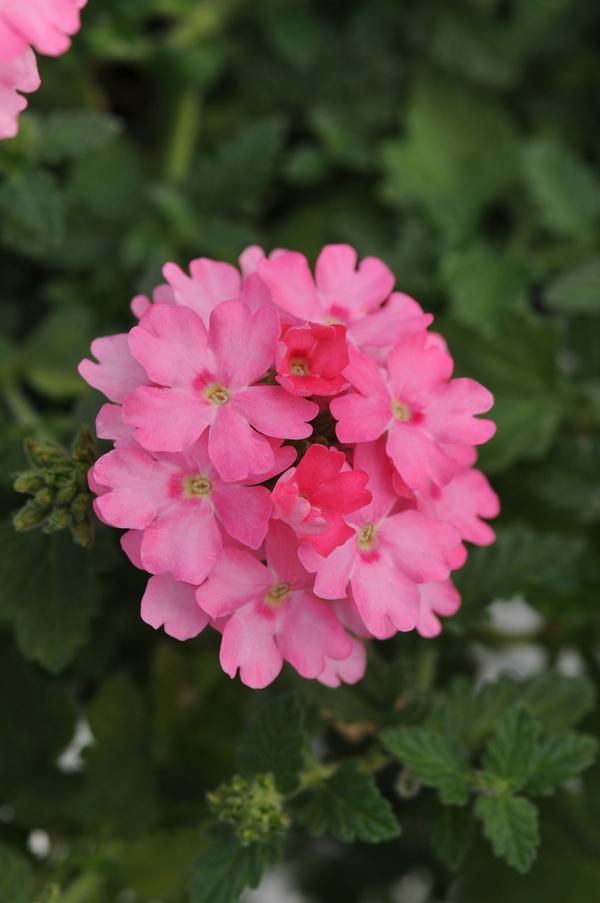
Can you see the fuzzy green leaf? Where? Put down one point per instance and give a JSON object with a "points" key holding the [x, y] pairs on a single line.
{"points": [[510, 823], [511, 752], [577, 291], [559, 759], [275, 741], [16, 877], [225, 868], [348, 805], [437, 760]]}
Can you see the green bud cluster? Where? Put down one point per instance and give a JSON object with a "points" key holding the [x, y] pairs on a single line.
{"points": [[57, 483], [253, 806]]}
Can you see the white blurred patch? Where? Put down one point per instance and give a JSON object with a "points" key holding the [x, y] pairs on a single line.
{"points": [[70, 759]]}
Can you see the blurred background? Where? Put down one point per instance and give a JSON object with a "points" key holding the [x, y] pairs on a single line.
{"points": [[459, 142]]}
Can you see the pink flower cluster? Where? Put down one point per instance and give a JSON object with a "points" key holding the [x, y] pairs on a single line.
{"points": [[25, 26], [292, 462]]}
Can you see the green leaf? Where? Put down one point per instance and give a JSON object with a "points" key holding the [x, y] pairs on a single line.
{"points": [[564, 189], [225, 868], [577, 291], [348, 805], [53, 350], [50, 592], [16, 877], [69, 134], [453, 139], [32, 212], [437, 760], [519, 365], [450, 831], [519, 557], [559, 759], [275, 741], [510, 823], [119, 795], [483, 284], [511, 752], [557, 701]]}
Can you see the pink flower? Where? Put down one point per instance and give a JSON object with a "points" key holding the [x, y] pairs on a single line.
{"points": [[388, 555], [463, 502], [25, 23], [17, 74], [436, 599], [314, 497], [117, 372], [415, 404], [210, 282], [172, 605], [310, 360], [341, 292], [44, 25], [182, 506], [207, 381], [273, 615]]}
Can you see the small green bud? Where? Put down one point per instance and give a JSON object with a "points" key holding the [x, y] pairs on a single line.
{"points": [[28, 481], [29, 517], [44, 454], [84, 447], [253, 806], [66, 493], [58, 519]]}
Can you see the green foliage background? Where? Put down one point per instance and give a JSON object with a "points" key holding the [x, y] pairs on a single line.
{"points": [[459, 142]]}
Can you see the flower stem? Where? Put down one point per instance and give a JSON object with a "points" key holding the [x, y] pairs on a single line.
{"points": [[185, 130], [23, 411]]}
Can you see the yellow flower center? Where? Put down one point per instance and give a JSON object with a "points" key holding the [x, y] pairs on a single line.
{"points": [[298, 367], [400, 411], [217, 394], [277, 593], [197, 486], [367, 536]]}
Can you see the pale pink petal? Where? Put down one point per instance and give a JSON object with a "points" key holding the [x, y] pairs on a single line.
{"points": [[244, 511], [117, 372], [291, 284], [235, 448], [16, 74], [400, 316], [243, 343], [249, 645], [131, 543], [110, 425], [371, 458], [250, 259], [436, 599], [172, 605], [236, 579], [335, 571], [417, 457], [171, 344], [211, 282], [360, 419], [450, 414], [365, 375], [167, 420], [274, 411], [310, 633], [139, 487], [416, 368], [421, 545], [282, 556], [184, 541], [382, 594], [347, 670], [463, 502], [344, 287], [45, 25]]}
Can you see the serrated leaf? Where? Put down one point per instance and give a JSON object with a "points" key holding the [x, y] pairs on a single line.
{"points": [[32, 212], [225, 868], [520, 556], [50, 591], [564, 189], [453, 138], [577, 291], [518, 363], [68, 134], [348, 805], [450, 831], [437, 760], [559, 759], [510, 754], [275, 741], [16, 877], [557, 701], [510, 823]]}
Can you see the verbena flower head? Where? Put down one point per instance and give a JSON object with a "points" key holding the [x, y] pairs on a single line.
{"points": [[293, 461], [45, 26]]}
